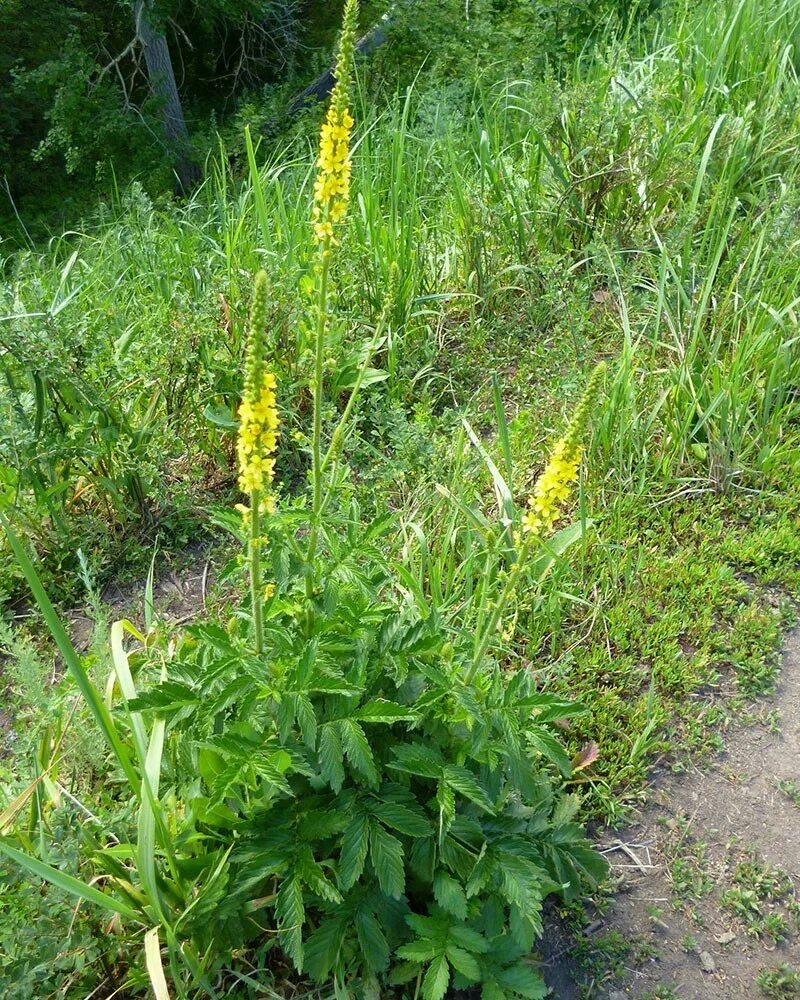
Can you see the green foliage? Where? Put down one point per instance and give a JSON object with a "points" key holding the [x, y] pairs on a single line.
{"points": [[783, 981], [345, 759], [46, 948], [359, 779], [510, 38]]}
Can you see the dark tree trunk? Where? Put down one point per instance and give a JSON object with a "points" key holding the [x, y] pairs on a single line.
{"points": [[162, 82], [323, 85]]}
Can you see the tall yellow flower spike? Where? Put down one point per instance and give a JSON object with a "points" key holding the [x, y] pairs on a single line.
{"points": [[258, 414], [552, 489], [255, 449], [332, 186], [550, 492]]}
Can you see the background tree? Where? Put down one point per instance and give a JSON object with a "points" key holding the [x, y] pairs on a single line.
{"points": [[150, 35]]}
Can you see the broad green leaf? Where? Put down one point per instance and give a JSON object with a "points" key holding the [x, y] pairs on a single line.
{"points": [[399, 817], [554, 548], [450, 895], [550, 748], [355, 844], [465, 783], [415, 758], [403, 972], [221, 416], [386, 854], [464, 962], [523, 980], [437, 978], [469, 939], [418, 951], [372, 940], [491, 991], [323, 947]]}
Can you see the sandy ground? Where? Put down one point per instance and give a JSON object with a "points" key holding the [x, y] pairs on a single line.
{"points": [[677, 862]]}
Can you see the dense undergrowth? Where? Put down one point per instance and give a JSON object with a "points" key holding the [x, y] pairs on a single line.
{"points": [[503, 238]]}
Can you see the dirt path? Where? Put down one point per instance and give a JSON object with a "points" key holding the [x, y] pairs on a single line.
{"points": [[708, 890]]}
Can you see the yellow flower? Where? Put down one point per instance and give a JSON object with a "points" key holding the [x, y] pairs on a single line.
{"points": [[332, 185], [552, 488], [258, 438]]}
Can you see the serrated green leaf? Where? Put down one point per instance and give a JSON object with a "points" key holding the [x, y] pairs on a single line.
{"points": [[380, 710], [437, 978], [491, 991], [566, 809], [469, 939], [290, 914], [415, 758], [417, 951], [464, 962], [523, 980], [306, 719], [550, 748], [465, 783], [323, 947], [315, 878], [331, 756], [450, 895], [386, 854], [403, 972], [164, 697], [358, 751], [355, 844], [372, 940], [411, 822]]}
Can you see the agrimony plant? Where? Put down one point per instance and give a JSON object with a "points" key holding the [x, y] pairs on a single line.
{"points": [[338, 782]]}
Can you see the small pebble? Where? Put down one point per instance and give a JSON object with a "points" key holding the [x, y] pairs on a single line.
{"points": [[707, 963]]}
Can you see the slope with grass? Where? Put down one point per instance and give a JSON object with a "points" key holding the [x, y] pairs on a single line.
{"points": [[643, 211]]}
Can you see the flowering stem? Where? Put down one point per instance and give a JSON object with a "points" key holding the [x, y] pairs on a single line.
{"points": [[254, 555], [316, 442], [485, 637]]}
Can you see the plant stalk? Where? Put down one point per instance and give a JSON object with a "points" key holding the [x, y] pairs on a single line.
{"points": [[316, 442], [497, 612], [254, 555]]}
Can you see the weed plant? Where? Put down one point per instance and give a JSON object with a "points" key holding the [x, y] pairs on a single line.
{"points": [[344, 780]]}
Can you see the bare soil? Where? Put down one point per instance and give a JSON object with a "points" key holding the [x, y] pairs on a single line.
{"points": [[674, 866]]}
